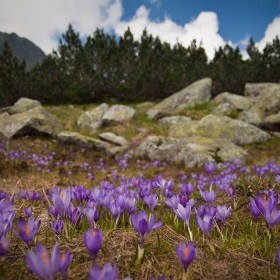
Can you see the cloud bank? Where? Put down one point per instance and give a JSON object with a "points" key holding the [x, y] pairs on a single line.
{"points": [[44, 21]]}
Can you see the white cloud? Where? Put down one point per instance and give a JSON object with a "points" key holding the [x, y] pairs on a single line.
{"points": [[271, 31], [204, 28], [43, 21], [40, 21]]}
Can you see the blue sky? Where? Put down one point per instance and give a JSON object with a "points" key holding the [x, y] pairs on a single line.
{"points": [[214, 22]]}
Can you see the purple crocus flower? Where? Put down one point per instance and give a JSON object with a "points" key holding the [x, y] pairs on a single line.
{"points": [[254, 209], [40, 263], [62, 202], [230, 191], [93, 239], [187, 189], [222, 213], [57, 226], [5, 225], [28, 211], [209, 197], [27, 230], [186, 254], [65, 260], [184, 213], [92, 215], [107, 273], [151, 201], [205, 224], [268, 209], [30, 195], [210, 167], [142, 226], [4, 245]]}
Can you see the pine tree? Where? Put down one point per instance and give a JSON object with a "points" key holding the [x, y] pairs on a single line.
{"points": [[13, 77]]}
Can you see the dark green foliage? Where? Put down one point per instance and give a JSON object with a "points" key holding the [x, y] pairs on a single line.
{"points": [[13, 79], [128, 70]]}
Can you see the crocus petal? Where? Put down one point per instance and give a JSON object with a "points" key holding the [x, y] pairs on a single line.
{"points": [[134, 220]]}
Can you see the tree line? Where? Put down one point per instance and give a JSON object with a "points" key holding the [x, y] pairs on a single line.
{"points": [[129, 70]]}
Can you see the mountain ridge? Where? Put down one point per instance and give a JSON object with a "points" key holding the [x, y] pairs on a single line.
{"points": [[22, 49]]}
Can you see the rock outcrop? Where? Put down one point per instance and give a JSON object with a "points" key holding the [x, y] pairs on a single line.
{"points": [[196, 93], [93, 118], [192, 151], [118, 114], [212, 126], [34, 121], [22, 105], [82, 141]]}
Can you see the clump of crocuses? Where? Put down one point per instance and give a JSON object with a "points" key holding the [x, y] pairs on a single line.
{"points": [[46, 267], [143, 227]]}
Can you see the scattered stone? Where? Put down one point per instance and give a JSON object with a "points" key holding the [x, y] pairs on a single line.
{"points": [[93, 118], [196, 93], [272, 122], [118, 114], [174, 120], [223, 127], [193, 151], [237, 102], [114, 139], [256, 89], [82, 141], [223, 109], [22, 105], [250, 117], [36, 121]]}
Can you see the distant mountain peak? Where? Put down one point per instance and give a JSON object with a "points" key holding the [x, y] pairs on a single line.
{"points": [[22, 49]]}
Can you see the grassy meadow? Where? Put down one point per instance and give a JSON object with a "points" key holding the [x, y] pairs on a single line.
{"points": [[240, 248]]}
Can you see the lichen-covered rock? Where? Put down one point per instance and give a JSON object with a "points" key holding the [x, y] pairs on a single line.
{"points": [[198, 92], [211, 126], [193, 151], [237, 102], [22, 105], [82, 141], [36, 121], [174, 120], [223, 109], [114, 139], [250, 117], [272, 122], [256, 89], [4, 115], [93, 118], [118, 114]]}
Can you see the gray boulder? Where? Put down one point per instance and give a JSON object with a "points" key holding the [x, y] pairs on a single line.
{"points": [[82, 141], [193, 151], [196, 93], [93, 118], [211, 126], [237, 102], [118, 114], [174, 120], [250, 117], [272, 122], [223, 109], [34, 121], [22, 105], [256, 89], [114, 139]]}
